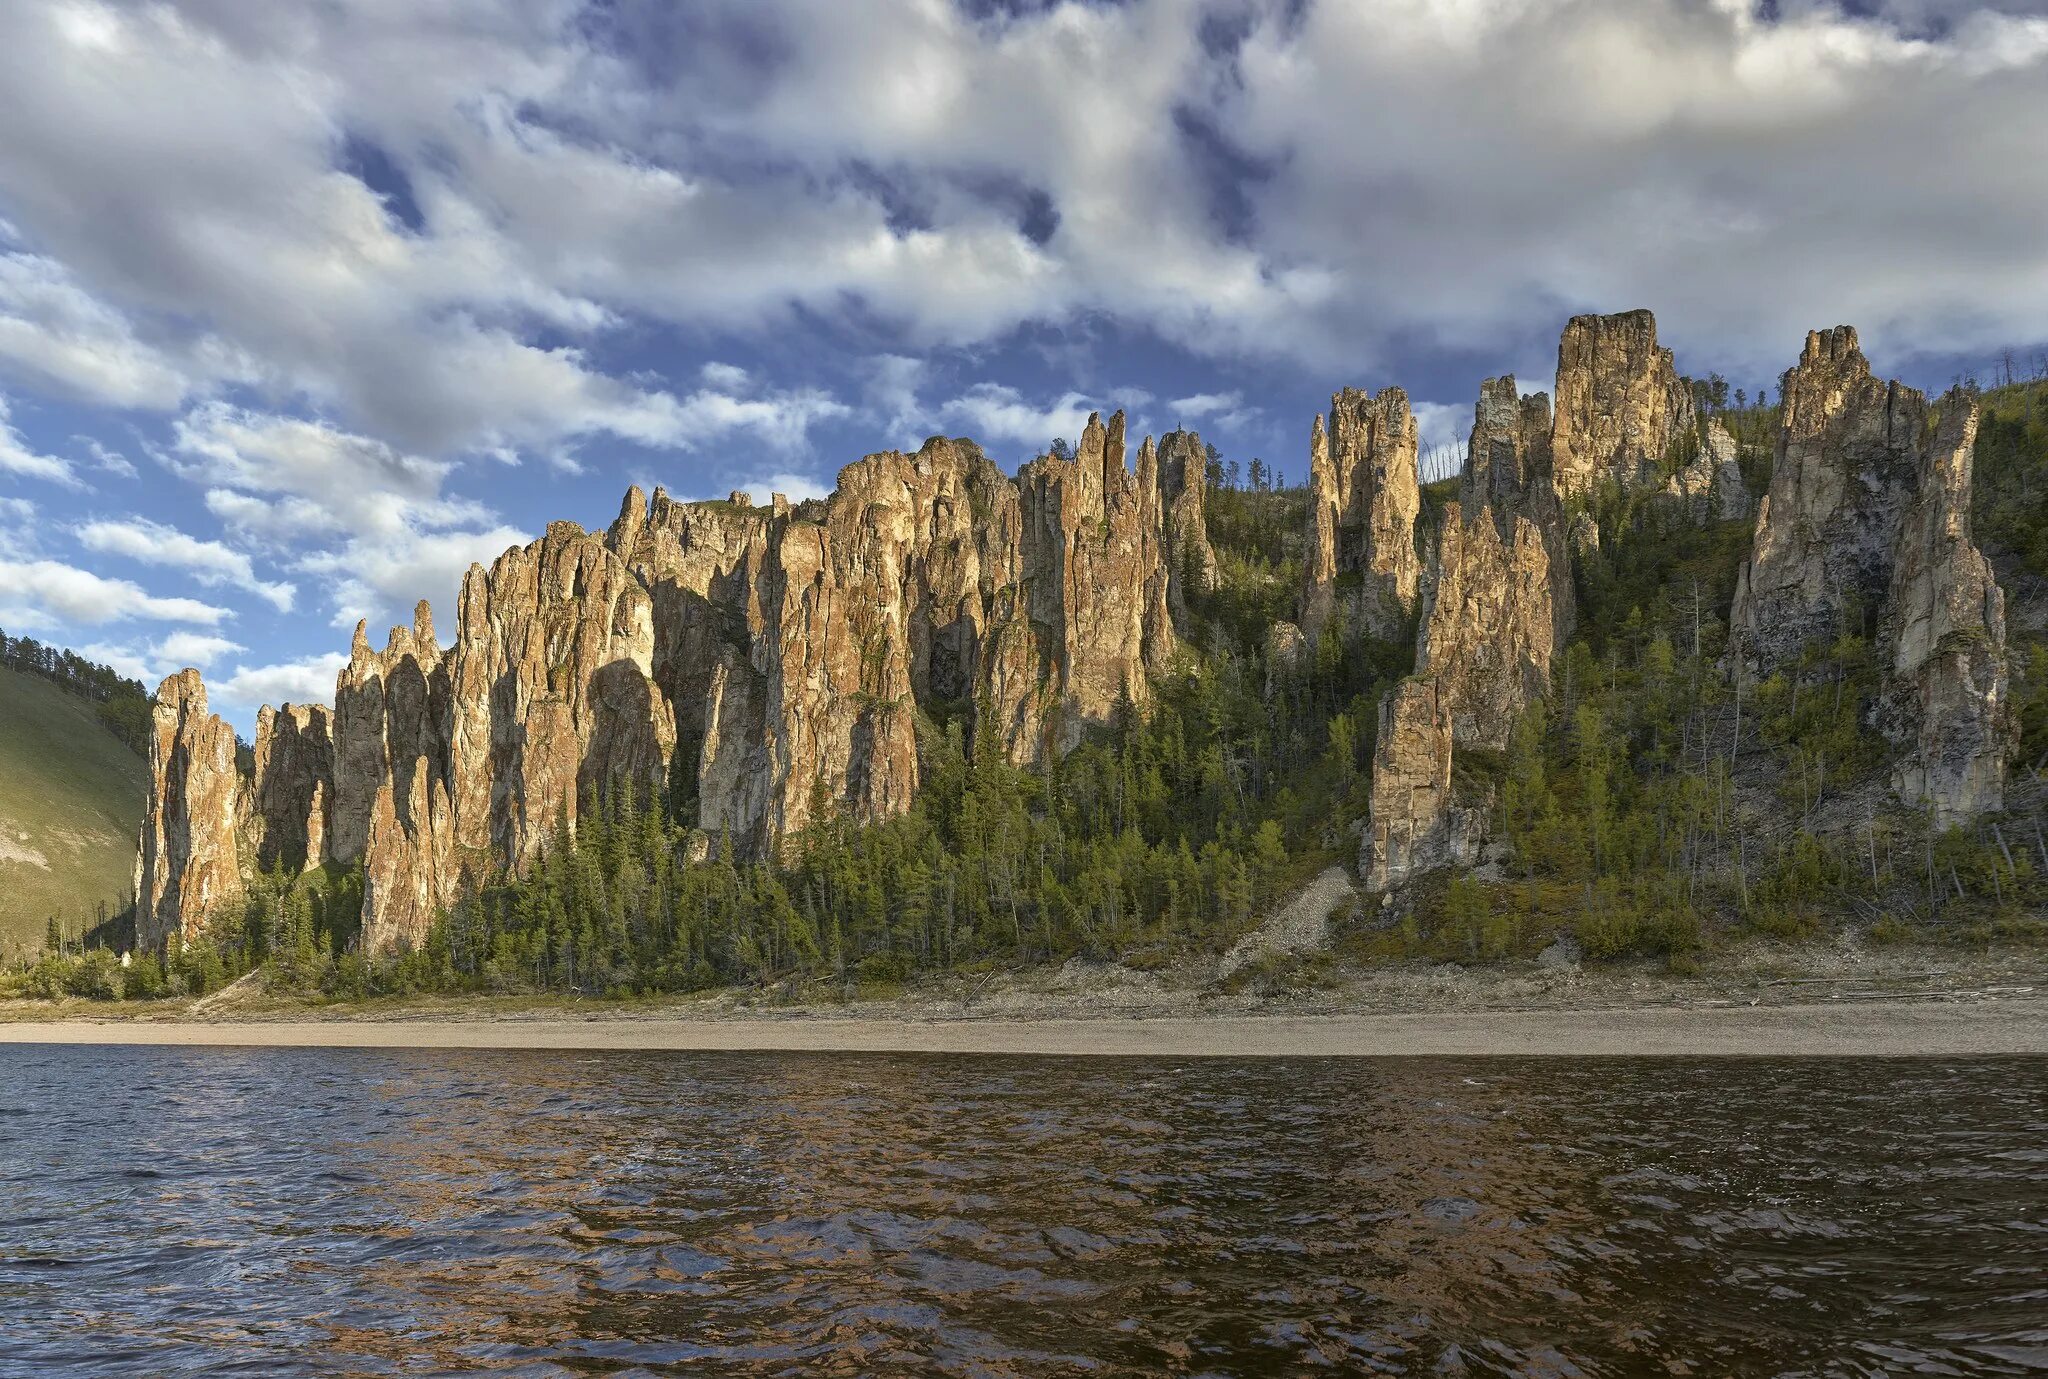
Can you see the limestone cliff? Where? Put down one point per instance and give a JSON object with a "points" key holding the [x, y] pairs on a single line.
{"points": [[288, 800], [1943, 639], [1847, 464], [187, 868], [754, 666], [1621, 406], [1364, 496], [1496, 606], [1868, 522]]}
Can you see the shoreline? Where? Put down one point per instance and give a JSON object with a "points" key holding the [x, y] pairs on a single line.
{"points": [[1817, 1029]]}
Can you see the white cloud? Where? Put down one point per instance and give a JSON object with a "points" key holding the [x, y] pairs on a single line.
{"points": [[307, 681], [54, 331], [378, 577], [729, 378], [209, 562], [1224, 410], [17, 458], [38, 590], [110, 461], [181, 649], [995, 412], [779, 420], [795, 487]]}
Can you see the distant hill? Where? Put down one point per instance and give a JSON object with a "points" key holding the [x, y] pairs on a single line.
{"points": [[70, 804]]}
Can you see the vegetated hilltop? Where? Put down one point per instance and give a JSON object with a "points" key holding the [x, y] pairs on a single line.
{"points": [[71, 793], [1661, 665]]}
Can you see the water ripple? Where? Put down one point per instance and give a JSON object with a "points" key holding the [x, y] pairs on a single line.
{"points": [[354, 1212]]}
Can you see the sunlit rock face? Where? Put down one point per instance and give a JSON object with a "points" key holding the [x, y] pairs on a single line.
{"points": [[751, 667], [1364, 496], [1866, 529], [187, 867], [1496, 606], [1848, 460], [1621, 406]]}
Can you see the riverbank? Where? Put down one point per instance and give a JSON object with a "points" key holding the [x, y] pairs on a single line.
{"points": [[1765, 998], [2000, 1026]]}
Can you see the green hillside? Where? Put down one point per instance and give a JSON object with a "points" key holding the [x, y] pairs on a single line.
{"points": [[70, 804]]}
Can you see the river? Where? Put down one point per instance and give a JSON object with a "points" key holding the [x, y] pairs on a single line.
{"points": [[334, 1211]]}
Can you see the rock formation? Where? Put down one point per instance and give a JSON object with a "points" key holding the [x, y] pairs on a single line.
{"points": [[1848, 461], [1182, 468], [289, 795], [757, 665], [1708, 476], [1868, 523], [1496, 606], [188, 867], [1943, 637], [1364, 496], [1621, 405]]}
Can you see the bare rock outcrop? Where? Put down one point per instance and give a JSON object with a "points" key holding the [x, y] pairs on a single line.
{"points": [[289, 796], [1364, 496], [1415, 824], [1621, 405], [1708, 476], [1848, 461], [1496, 606], [1943, 637], [1868, 524], [1491, 622], [187, 868], [1182, 483]]}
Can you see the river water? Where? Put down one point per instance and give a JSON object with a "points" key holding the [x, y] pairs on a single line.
{"points": [[339, 1211]]}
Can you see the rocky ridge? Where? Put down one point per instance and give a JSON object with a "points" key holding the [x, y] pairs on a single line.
{"points": [[758, 663], [758, 668]]}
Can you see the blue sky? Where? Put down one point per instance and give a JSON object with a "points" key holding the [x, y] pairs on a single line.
{"points": [[303, 307]]}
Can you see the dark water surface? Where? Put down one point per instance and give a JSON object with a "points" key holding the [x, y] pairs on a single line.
{"points": [[337, 1211]]}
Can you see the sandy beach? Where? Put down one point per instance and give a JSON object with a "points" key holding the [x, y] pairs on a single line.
{"points": [[1814, 1029]]}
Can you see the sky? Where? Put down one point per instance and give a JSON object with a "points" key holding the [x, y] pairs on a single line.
{"points": [[306, 306]]}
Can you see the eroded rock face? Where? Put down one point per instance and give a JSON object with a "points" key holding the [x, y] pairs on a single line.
{"points": [[1364, 495], [290, 790], [1490, 628], [393, 725], [1943, 636], [1182, 481], [1847, 464], [1709, 482], [1496, 606], [1868, 517], [1414, 827], [1620, 404], [187, 869]]}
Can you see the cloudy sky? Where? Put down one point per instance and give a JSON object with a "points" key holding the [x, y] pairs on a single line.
{"points": [[305, 306]]}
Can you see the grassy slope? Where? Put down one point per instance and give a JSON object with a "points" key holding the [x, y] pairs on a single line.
{"points": [[71, 794]]}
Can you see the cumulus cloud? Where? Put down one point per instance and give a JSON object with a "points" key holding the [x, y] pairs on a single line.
{"points": [[37, 591], [372, 521], [375, 577], [795, 487], [181, 649], [306, 681], [55, 332], [1321, 182], [209, 562], [995, 412]]}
